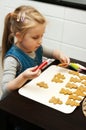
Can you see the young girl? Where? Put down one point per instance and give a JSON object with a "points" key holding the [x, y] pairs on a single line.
{"points": [[21, 48]]}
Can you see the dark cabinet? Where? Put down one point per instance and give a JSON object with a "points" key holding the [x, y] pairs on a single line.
{"points": [[80, 4]]}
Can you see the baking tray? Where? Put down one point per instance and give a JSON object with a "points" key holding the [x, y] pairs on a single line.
{"points": [[42, 95]]}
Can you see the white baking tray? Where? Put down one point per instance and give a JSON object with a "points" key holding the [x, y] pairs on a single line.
{"points": [[42, 95]]}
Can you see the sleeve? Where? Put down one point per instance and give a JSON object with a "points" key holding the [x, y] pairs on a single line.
{"points": [[9, 73], [47, 52]]}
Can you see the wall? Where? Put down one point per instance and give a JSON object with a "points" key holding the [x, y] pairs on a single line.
{"points": [[66, 28]]}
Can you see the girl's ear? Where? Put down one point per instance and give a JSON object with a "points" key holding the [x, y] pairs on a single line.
{"points": [[18, 36]]}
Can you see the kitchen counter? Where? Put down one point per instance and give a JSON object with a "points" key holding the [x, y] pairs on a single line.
{"points": [[29, 111]]}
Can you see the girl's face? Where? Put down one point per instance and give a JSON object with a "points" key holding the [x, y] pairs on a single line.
{"points": [[33, 38]]}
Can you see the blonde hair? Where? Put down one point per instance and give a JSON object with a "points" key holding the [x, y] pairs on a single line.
{"points": [[23, 18]]}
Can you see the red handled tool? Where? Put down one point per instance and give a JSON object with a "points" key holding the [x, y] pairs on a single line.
{"points": [[44, 63]]}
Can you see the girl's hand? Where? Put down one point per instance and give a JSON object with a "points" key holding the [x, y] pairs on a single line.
{"points": [[31, 74], [20, 80], [65, 61]]}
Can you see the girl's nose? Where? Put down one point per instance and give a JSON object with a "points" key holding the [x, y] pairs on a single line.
{"points": [[40, 41]]}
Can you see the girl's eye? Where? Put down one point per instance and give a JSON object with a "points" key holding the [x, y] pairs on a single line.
{"points": [[35, 37]]}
